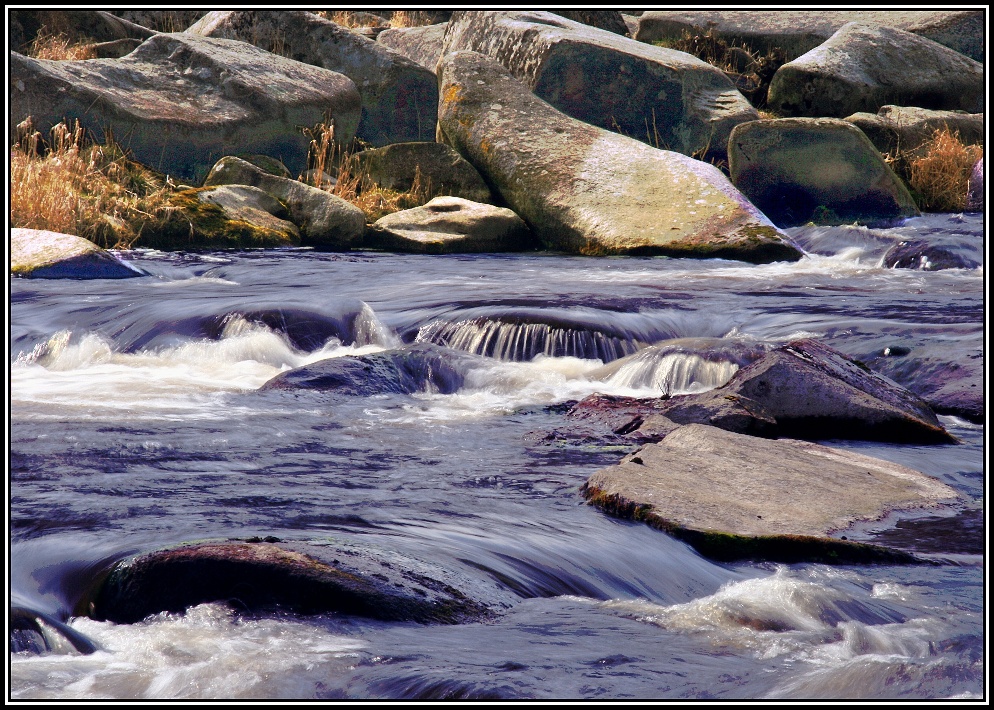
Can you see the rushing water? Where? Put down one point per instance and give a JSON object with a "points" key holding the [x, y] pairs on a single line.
{"points": [[137, 421]]}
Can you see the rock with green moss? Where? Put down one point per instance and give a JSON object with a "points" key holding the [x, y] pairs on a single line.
{"points": [[733, 496], [436, 168], [799, 170], [862, 68], [663, 97], [180, 102], [586, 190], [324, 220], [42, 254]]}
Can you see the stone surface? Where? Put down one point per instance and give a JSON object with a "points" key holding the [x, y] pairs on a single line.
{"points": [[975, 189], [450, 225], [663, 97], [733, 496], [399, 97], [441, 170], [587, 190], [903, 129], [78, 25], [922, 255], [252, 205], [822, 170], [799, 31], [861, 68], [41, 254], [161, 20], [610, 20], [323, 576], [419, 44], [180, 102], [324, 220], [35, 633]]}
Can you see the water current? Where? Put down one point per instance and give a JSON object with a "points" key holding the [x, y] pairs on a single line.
{"points": [[137, 422]]}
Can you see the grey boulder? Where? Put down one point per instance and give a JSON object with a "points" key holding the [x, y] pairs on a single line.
{"points": [[42, 254]]}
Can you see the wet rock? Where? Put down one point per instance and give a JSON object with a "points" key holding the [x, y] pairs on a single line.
{"points": [[662, 97], [437, 168], [739, 497], [585, 190], [399, 97], [815, 169], [975, 190], [41, 254], [862, 68], [450, 225], [422, 45], [316, 577], [799, 31], [325, 220], [35, 633], [185, 101], [78, 25], [922, 255], [903, 129], [413, 368]]}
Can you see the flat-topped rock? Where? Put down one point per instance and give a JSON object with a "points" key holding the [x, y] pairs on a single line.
{"points": [[42, 254], [733, 496]]}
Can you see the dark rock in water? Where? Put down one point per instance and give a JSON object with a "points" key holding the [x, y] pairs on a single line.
{"points": [[975, 190], [34, 633], [41, 254], [739, 497], [924, 256], [300, 577], [414, 368]]}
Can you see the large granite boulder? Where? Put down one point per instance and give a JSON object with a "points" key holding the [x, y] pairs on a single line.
{"points": [[399, 97], [663, 97], [586, 190], [815, 169], [610, 20], [975, 188], [903, 129], [161, 20], [436, 167], [799, 31], [419, 44], [450, 225], [733, 496], [323, 576], [41, 254], [325, 220], [862, 68], [180, 102]]}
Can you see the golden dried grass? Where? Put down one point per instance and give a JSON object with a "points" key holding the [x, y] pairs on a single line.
{"points": [[60, 46], [938, 172]]}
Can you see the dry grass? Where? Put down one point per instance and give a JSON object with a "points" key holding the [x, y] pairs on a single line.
{"points": [[352, 183], [67, 184], [938, 172], [398, 18], [60, 46]]}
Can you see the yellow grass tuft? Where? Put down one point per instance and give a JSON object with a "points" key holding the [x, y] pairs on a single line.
{"points": [[938, 172], [60, 46]]}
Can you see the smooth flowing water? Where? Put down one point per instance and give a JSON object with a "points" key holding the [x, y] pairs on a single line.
{"points": [[137, 421]]}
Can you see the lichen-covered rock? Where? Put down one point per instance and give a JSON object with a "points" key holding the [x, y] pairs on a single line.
{"points": [[184, 101], [41, 254], [904, 129], [586, 190], [809, 169], [975, 189], [399, 97], [325, 220], [437, 167], [254, 206], [733, 496], [861, 68], [799, 31], [663, 97], [419, 44], [450, 225]]}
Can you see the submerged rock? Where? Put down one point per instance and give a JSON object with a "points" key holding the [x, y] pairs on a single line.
{"points": [[323, 576], [41, 254], [34, 633], [590, 191], [739, 497], [924, 256]]}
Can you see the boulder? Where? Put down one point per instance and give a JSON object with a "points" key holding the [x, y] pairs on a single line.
{"points": [[799, 31], [815, 169], [437, 167], [399, 97], [862, 68], [180, 102], [419, 44], [610, 20], [923, 255], [253, 206], [324, 220], [975, 189], [115, 49], [35, 633], [662, 97], [269, 575], [77, 25], [732, 496], [586, 190], [901, 129], [450, 225], [161, 20], [41, 254]]}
